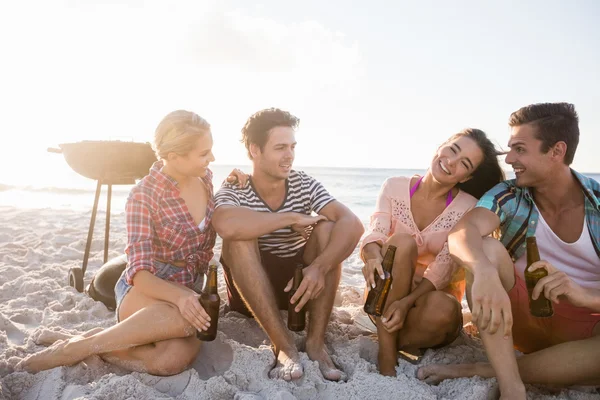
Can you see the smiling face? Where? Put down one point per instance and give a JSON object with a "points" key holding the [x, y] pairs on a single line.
{"points": [[277, 155], [531, 166], [194, 163], [456, 160]]}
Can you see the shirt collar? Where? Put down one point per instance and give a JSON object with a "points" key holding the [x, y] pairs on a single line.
{"points": [[160, 177]]}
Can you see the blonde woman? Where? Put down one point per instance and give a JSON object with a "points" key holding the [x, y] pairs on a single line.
{"points": [[169, 244]]}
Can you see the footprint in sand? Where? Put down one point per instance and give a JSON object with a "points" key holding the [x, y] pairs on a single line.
{"points": [[214, 359], [13, 333], [368, 350]]}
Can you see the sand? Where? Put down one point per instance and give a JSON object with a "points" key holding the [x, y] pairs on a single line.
{"points": [[37, 248]]}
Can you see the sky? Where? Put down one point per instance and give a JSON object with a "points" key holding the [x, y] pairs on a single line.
{"points": [[376, 84]]}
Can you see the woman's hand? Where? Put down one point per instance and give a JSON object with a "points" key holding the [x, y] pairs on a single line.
{"points": [[373, 265], [395, 314], [237, 177], [191, 309]]}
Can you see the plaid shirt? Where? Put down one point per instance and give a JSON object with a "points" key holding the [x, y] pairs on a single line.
{"points": [[159, 226], [519, 217]]}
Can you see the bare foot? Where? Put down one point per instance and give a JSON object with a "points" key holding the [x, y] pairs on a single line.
{"points": [[319, 354], [46, 337], [435, 373], [63, 352], [287, 367]]}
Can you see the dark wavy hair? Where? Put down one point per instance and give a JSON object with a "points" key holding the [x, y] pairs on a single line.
{"points": [[489, 173], [555, 122], [259, 125]]}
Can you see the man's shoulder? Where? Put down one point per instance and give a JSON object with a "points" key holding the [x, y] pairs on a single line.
{"points": [[589, 183], [301, 179]]}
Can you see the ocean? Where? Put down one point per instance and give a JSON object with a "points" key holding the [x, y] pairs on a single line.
{"points": [[357, 188]]}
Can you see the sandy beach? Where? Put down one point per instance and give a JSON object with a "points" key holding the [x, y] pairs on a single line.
{"points": [[37, 248]]}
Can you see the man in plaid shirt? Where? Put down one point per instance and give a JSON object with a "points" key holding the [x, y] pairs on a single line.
{"points": [[561, 208]]}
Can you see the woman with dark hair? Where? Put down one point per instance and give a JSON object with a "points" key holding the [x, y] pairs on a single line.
{"points": [[415, 214]]}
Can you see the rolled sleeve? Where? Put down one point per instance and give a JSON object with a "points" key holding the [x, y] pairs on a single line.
{"points": [[227, 196], [381, 221], [139, 237], [499, 200]]}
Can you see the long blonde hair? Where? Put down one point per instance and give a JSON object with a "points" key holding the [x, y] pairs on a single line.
{"points": [[178, 132]]}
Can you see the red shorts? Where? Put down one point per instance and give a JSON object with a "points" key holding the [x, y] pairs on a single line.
{"points": [[531, 334], [280, 271]]}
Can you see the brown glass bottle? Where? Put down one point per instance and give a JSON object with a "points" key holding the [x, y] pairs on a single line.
{"points": [[542, 307], [210, 301], [296, 320], [378, 295]]}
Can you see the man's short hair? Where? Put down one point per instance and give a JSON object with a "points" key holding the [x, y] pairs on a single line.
{"points": [[555, 122], [259, 125]]}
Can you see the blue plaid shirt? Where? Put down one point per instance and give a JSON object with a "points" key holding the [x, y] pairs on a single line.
{"points": [[519, 216]]}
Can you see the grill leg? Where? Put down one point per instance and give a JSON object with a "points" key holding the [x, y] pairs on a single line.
{"points": [[86, 255], [107, 229]]}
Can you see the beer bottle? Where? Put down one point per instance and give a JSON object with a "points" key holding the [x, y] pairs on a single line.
{"points": [[542, 307], [296, 320], [210, 301], [378, 295]]}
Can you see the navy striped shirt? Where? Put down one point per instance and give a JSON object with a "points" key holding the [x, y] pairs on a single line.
{"points": [[304, 195]]}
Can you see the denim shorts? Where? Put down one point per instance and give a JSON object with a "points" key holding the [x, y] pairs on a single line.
{"points": [[163, 271]]}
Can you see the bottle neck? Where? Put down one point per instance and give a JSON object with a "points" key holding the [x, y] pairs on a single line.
{"points": [[212, 286], [388, 261]]}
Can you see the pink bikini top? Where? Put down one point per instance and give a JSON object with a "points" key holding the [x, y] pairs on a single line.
{"points": [[416, 185]]}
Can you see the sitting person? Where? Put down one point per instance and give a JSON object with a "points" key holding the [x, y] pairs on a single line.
{"points": [[170, 241], [561, 207], [267, 229], [415, 214]]}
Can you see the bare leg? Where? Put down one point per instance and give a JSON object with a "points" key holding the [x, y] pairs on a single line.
{"points": [[320, 308], [251, 280], [434, 320], [151, 337], [402, 272], [46, 337], [500, 351], [566, 364]]}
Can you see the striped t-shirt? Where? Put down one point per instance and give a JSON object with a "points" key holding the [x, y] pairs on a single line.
{"points": [[304, 194]]}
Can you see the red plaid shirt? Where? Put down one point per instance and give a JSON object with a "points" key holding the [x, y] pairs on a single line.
{"points": [[159, 227]]}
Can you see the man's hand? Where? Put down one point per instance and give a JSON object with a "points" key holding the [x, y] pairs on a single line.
{"points": [[373, 265], [311, 287], [556, 284], [395, 314], [491, 305], [304, 223]]}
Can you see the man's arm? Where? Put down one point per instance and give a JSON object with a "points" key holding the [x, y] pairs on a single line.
{"points": [[345, 234], [490, 303], [465, 240], [240, 223]]}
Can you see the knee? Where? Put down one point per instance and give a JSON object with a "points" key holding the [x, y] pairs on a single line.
{"points": [[322, 233], [405, 244], [406, 249], [441, 312]]}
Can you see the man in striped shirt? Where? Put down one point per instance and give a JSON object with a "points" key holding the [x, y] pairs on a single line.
{"points": [[268, 227], [561, 208]]}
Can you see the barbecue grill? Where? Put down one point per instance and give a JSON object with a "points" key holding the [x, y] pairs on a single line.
{"points": [[109, 163]]}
